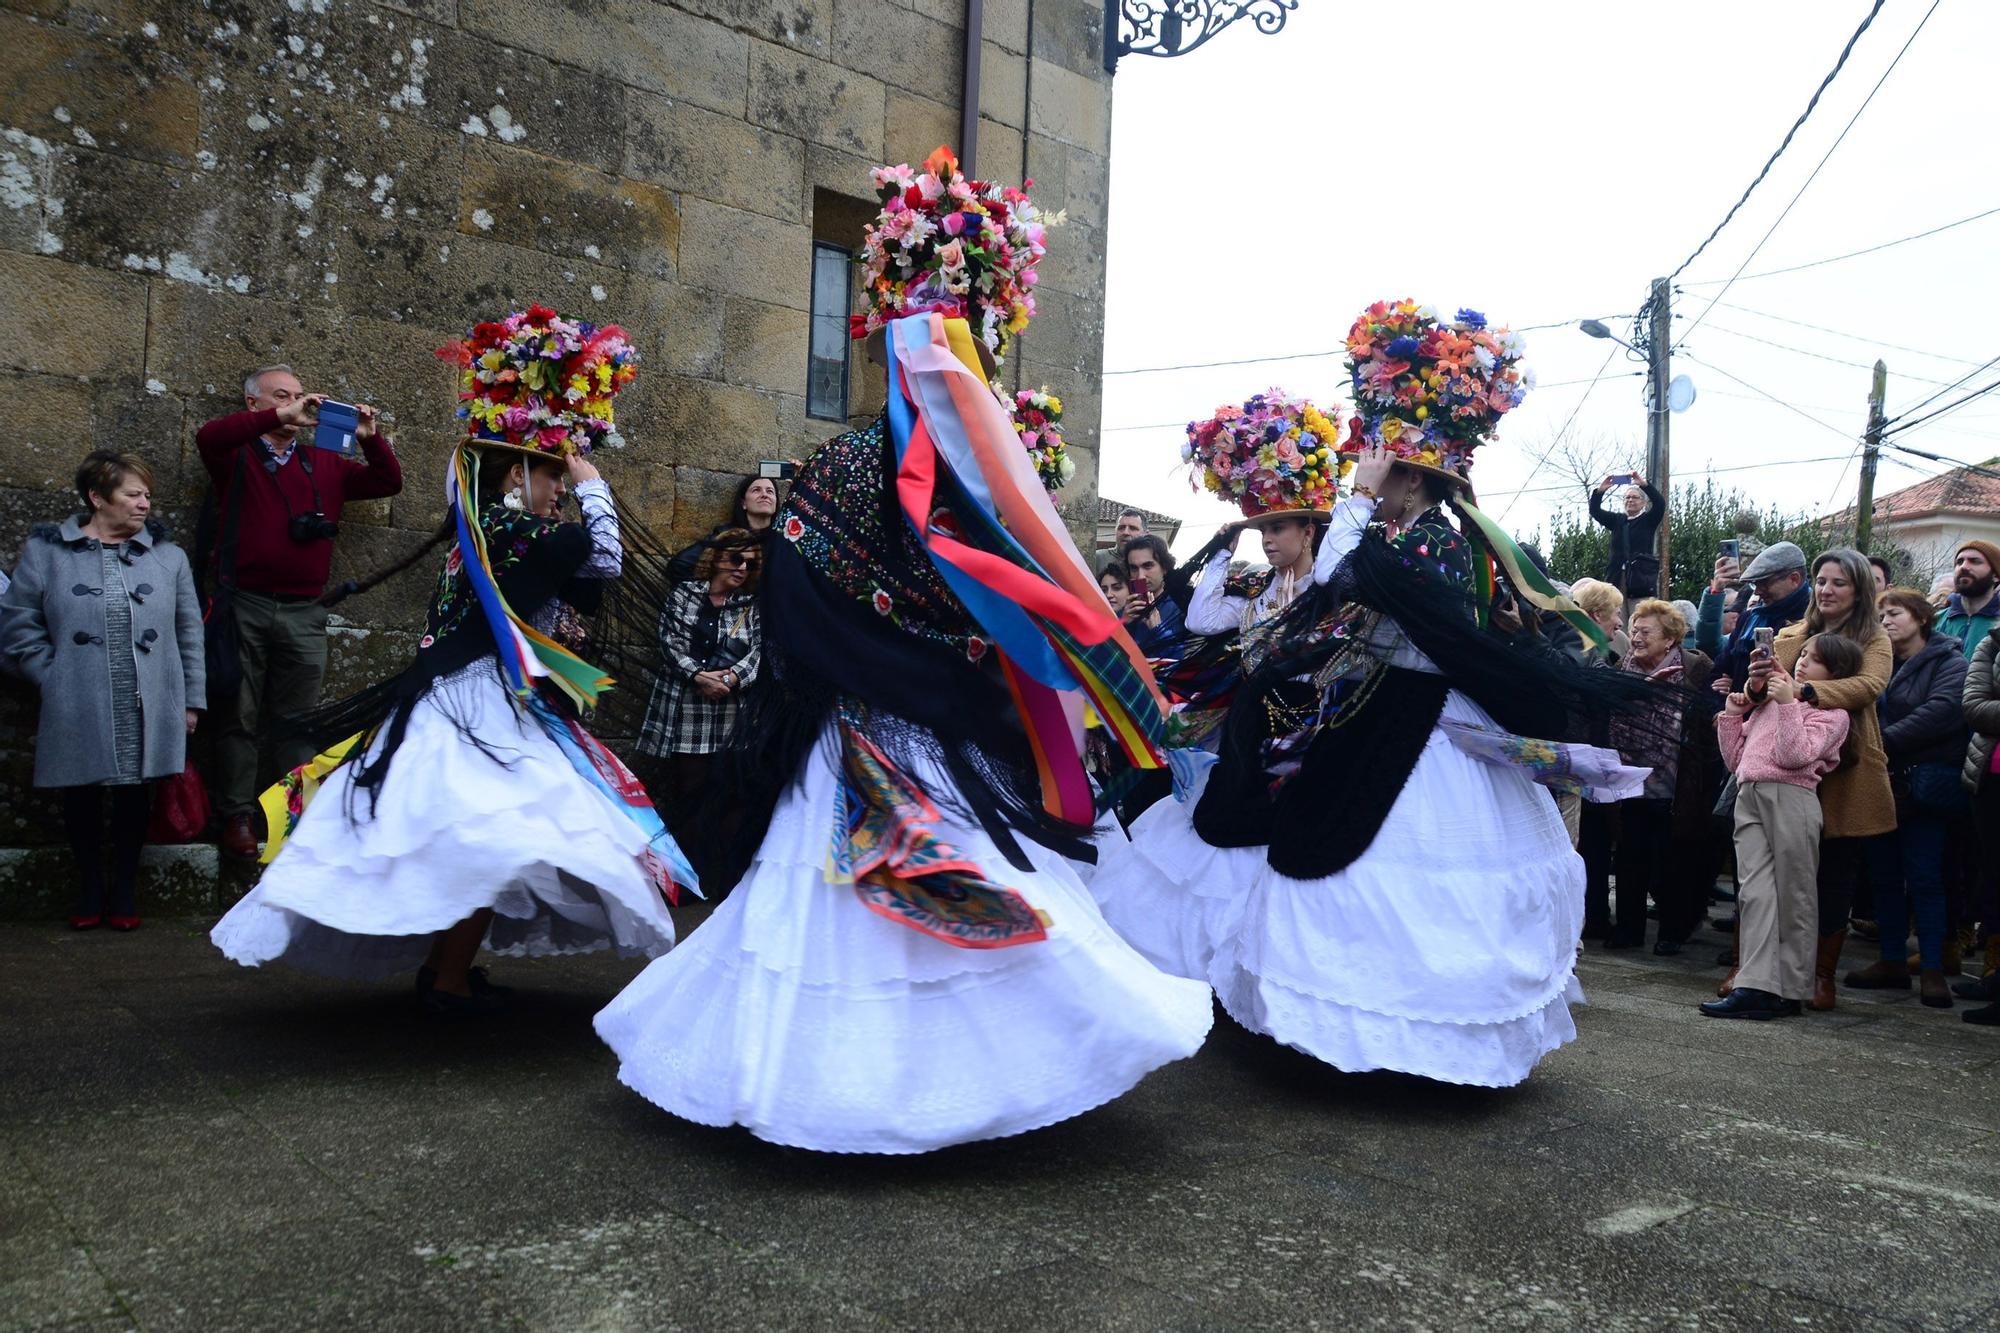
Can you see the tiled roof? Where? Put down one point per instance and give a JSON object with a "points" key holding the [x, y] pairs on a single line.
{"points": [[1960, 491], [1109, 509]]}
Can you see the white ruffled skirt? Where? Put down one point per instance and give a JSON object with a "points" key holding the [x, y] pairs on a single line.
{"points": [[1448, 950], [454, 831], [799, 1013]]}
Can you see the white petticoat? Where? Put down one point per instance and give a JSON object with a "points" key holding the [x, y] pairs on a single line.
{"points": [[1447, 950], [799, 1013], [453, 831]]}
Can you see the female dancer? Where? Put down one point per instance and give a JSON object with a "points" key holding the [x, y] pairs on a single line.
{"points": [[469, 806], [910, 962], [1380, 883]]}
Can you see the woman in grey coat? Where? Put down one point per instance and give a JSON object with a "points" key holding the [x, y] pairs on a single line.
{"points": [[102, 618]]}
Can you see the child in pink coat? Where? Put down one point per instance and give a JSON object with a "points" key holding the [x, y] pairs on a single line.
{"points": [[1779, 750]]}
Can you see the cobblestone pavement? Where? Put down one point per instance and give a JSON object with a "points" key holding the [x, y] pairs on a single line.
{"points": [[190, 1144]]}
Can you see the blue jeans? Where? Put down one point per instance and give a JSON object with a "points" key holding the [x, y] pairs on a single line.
{"points": [[1907, 871]]}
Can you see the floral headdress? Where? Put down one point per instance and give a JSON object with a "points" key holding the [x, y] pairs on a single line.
{"points": [[541, 383], [1272, 453], [1432, 390], [1037, 417], [942, 242]]}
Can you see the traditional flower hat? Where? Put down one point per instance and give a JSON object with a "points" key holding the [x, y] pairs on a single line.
{"points": [[1037, 417], [1432, 390], [942, 242], [540, 383], [1273, 456]]}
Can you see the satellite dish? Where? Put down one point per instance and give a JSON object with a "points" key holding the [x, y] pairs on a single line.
{"points": [[1680, 394]]}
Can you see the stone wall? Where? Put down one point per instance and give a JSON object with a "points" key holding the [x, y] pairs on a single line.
{"points": [[190, 189]]}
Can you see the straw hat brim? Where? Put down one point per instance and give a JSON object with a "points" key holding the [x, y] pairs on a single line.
{"points": [[1270, 516]]}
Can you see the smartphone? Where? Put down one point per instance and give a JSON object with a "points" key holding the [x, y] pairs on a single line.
{"points": [[1624, 479], [1765, 634], [1138, 588], [777, 471], [337, 424], [1733, 548]]}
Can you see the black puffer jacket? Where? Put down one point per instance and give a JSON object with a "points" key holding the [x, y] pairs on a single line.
{"points": [[1922, 711]]}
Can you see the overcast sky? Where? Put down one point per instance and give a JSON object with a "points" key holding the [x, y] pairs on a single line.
{"points": [[1542, 162]]}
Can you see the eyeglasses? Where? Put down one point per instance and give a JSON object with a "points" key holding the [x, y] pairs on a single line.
{"points": [[749, 561]]}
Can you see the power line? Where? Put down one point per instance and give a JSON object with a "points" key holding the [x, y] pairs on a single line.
{"points": [[1852, 337], [1955, 463], [1835, 259], [1558, 437], [1933, 397], [1824, 159], [1706, 472], [1938, 412], [1762, 393], [1845, 51], [1817, 356], [1310, 356], [1559, 384]]}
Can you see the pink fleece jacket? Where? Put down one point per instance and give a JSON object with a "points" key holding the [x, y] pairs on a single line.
{"points": [[1792, 743]]}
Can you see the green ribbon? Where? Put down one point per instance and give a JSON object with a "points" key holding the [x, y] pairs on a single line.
{"points": [[1530, 581]]}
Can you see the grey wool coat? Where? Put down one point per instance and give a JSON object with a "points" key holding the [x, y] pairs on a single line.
{"points": [[52, 628]]}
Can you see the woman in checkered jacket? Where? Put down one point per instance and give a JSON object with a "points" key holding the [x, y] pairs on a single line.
{"points": [[710, 644]]}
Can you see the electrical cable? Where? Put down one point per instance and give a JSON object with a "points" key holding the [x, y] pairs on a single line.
{"points": [[1558, 437], [1817, 356], [1852, 337], [1763, 393], [1835, 259], [1975, 468], [1706, 472], [1927, 401], [1308, 356], [1559, 384], [1824, 159], [1845, 51], [1935, 414]]}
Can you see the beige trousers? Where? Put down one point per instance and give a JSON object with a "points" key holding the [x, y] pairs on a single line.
{"points": [[1777, 866]]}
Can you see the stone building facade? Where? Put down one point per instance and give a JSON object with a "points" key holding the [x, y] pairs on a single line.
{"points": [[189, 189]]}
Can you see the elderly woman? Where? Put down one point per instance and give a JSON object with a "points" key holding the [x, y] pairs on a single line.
{"points": [[1605, 605], [1632, 567], [1648, 860], [711, 640], [1855, 800], [1923, 736], [102, 617]]}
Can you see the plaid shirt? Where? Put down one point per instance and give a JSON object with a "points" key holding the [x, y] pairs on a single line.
{"points": [[696, 635]]}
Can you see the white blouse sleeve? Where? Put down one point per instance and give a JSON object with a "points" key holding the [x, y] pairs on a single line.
{"points": [[1210, 610], [600, 520], [1344, 533]]}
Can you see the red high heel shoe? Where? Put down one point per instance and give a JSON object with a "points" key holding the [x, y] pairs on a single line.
{"points": [[84, 922], [122, 922]]}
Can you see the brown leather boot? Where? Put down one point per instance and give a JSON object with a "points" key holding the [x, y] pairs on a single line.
{"points": [[239, 839], [1932, 990], [1824, 967], [1879, 975], [1954, 956]]}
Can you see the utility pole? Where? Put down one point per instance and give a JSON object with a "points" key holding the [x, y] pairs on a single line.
{"points": [[1659, 464], [1871, 454]]}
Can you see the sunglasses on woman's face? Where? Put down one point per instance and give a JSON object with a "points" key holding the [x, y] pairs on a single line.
{"points": [[747, 561]]}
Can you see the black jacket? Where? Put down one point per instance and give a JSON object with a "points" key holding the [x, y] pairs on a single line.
{"points": [[1631, 537], [1922, 711]]}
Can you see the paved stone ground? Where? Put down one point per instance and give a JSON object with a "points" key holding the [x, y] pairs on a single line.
{"points": [[189, 1144]]}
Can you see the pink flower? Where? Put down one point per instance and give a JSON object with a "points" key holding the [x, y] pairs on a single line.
{"points": [[951, 255], [794, 529], [954, 224], [1288, 452]]}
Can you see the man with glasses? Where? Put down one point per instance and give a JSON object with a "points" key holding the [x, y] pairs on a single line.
{"points": [[1778, 578]]}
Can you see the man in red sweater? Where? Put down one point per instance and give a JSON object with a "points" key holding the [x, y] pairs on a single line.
{"points": [[282, 497]]}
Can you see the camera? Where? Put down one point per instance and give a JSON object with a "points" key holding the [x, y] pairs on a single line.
{"points": [[313, 527]]}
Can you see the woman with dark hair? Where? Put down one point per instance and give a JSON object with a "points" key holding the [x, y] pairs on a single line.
{"points": [[1923, 738], [751, 510], [711, 643], [1856, 801], [102, 618], [1111, 581], [468, 805], [1371, 873]]}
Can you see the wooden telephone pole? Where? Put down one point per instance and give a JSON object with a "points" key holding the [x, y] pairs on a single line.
{"points": [[1871, 455], [1659, 462]]}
